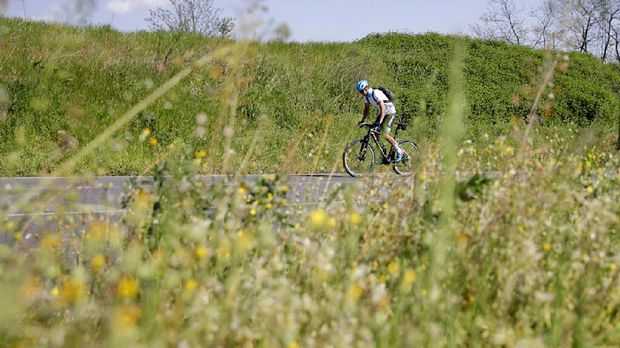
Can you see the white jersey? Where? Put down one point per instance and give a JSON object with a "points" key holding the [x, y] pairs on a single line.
{"points": [[374, 96]]}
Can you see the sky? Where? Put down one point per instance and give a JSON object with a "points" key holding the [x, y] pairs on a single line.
{"points": [[308, 20]]}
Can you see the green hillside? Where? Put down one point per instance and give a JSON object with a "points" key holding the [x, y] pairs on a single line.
{"points": [[295, 103]]}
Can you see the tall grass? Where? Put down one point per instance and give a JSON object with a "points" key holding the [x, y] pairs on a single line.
{"points": [[528, 258], [79, 81]]}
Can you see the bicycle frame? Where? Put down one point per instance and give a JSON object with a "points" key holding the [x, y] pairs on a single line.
{"points": [[385, 157]]}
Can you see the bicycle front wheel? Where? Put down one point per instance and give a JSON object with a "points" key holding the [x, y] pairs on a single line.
{"points": [[411, 159], [358, 158]]}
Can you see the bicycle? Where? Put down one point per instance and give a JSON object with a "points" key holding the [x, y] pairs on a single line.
{"points": [[359, 156]]}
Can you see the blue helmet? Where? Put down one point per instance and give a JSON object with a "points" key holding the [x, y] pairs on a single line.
{"points": [[361, 85]]}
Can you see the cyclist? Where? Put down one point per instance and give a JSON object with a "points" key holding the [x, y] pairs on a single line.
{"points": [[387, 113]]}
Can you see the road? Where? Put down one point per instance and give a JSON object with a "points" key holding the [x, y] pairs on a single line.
{"points": [[40, 201]]}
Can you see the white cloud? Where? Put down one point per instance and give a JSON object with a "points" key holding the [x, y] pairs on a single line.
{"points": [[126, 6]]}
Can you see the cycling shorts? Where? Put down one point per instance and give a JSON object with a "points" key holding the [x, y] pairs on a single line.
{"points": [[386, 125]]}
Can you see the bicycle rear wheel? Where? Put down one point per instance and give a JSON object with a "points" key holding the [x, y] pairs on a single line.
{"points": [[411, 158], [358, 158]]}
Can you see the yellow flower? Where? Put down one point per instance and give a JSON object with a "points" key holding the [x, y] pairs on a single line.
{"points": [[55, 292], [462, 239], [70, 291], [50, 242], [126, 317], [355, 219], [9, 225], [293, 345], [200, 154], [355, 292], [97, 262], [201, 253], [547, 246], [613, 266], [318, 218], [153, 141], [242, 191], [146, 132], [127, 288], [394, 268], [244, 241], [423, 176], [253, 212], [98, 230], [331, 222], [409, 277], [223, 251], [268, 206], [17, 236], [191, 285], [144, 200]]}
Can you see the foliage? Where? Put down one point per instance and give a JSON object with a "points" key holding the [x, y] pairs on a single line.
{"points": [[296, 106], [191, 16], [191, 263]]}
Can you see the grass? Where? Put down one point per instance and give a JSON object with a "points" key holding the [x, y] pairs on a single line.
{"points": [[529, 258], [82, 80]]}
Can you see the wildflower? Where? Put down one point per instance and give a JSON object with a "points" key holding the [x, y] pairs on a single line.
{"points": [[50, 242], [462, 239], [546, 246], [224, 250], [145, 134], [355, 219], [268, 206], [253, 212], [191, 285], [201, 253], [127, 317], [127, 288], [153, 141], [318, 218], [70, 291], [17, 236], [354, 292], [97, 262], [144, 199], [201, 119], [394, 268], [9, 225], [613, 266], [293, 345], [200, 154], [331, 222], [242, 191], [409, 277], [98, 230], [244, 241]]}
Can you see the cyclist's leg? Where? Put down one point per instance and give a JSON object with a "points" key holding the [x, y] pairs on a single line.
{"points": [[386, 127]]}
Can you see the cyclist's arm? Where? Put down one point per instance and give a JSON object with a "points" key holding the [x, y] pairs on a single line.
{"points": [[382, 106], [366, 112]]}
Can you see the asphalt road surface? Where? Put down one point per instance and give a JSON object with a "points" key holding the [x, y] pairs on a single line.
{"points": [[41, 201]]}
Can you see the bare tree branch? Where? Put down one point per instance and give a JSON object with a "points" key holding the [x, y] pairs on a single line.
{"points": [[502, 21], [195, 16]]}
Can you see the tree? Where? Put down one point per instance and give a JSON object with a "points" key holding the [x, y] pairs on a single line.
{"points": [[502, 21], [191, 16], [609, 15], [546, 27]]}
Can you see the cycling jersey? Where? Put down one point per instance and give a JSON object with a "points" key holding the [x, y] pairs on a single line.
{"points": [[374, 96]]}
